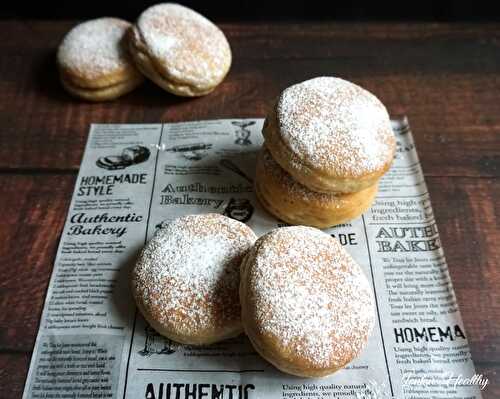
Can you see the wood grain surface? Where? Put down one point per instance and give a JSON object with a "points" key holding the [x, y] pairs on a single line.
{"points": [[445, 78]]}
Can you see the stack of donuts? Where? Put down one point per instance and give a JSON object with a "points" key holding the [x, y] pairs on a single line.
{"points": [[327, 144], [303, 302], [175, 47]]}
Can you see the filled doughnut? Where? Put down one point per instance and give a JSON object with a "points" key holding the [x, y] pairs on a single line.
{"points": [[180, 50], [294, 203], [186, 279], [306, 305], [94, 63], [330, 135]]}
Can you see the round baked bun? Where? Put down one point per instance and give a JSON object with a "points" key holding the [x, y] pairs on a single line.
{"points": [[186, 279], [94, 63], [294, 203], [306, 305], [330, 135], [180, 50]]}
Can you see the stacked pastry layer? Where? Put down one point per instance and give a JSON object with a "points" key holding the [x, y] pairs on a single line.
{"points": [[327, 144]]}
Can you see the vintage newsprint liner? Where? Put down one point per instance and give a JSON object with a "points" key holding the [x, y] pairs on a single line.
{"points": [[92, 342]]}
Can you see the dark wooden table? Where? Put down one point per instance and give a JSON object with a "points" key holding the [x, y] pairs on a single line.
{"points": [[446, 78]]}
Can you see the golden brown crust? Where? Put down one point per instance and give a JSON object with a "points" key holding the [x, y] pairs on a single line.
{"points": [[306, 306], [106, 93], [319, 141], [120, 75], [229, 330], [93, 60], [294, 203], [149, 68], [313, 178], [267, 346], [180, 50], [185, 282]]}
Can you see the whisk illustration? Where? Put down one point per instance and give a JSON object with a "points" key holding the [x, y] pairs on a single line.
{"points": [[230, 165]]}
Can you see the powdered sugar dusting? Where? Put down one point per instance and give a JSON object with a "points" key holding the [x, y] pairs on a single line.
{"points": [[190, 47], [95, 48], [310, 296], [188, 274], [331, 123]]}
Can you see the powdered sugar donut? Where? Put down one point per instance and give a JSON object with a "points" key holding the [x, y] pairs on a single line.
{"points": [[93, 60], [294, 203], [307, 307], [180, 50], [330, 135], [186, 279]]}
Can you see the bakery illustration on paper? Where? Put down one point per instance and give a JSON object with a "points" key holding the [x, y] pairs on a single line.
{"points": [[191, 151], [240, 209], [156, 344], [231, 166], [130, 156], [243, 133]]}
